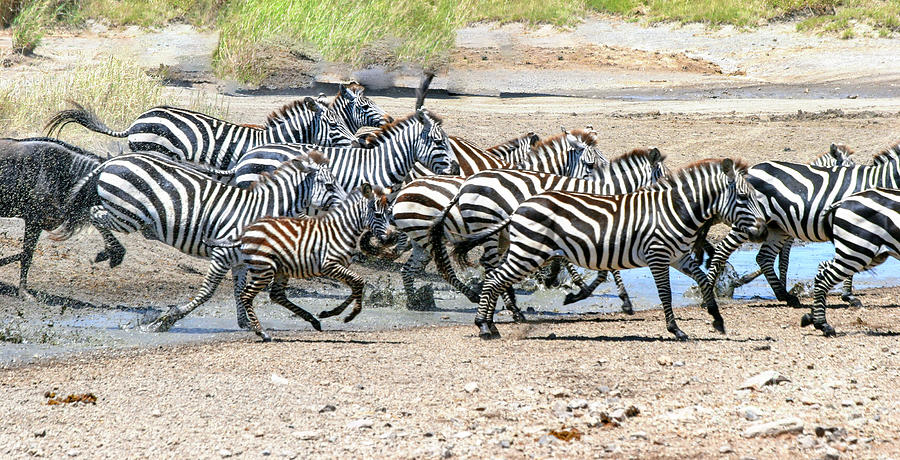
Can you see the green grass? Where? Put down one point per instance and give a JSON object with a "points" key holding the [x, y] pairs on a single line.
{"points": [[256, 33], [117, 90]]}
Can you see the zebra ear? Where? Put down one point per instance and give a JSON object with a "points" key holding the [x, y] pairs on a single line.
{"points": [[728, 167], [533, 138], [655, 155], [313, 105], [833, 150]]}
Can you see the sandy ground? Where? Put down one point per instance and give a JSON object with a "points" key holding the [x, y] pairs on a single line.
{"points": [[425, 392]]}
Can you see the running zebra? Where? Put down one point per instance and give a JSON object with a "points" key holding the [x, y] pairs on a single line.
{"points": [[655, 227], [421, 201], [796, 199], [278, 249], [353, 110], [865, 233], [838, 155], [189, 136], [418, 137], [172, 203], [490, 197]]}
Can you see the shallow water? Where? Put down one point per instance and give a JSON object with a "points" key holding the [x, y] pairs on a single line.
{"points": [[77, 330]]}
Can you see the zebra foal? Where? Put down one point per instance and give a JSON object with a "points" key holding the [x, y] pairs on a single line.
{"points": [[865, 231], [655, 227], [278, 249]]}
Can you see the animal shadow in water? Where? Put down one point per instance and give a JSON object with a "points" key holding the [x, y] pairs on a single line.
{"points": [[641, 338], [68, 302]]}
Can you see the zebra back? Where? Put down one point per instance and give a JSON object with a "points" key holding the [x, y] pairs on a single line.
{"points": [[515, 151], [572, 153], [838, 155]]}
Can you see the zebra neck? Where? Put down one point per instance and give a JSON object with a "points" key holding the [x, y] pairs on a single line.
{"points": [[885, 174], [340, 107], [277, 197], [694, 203]]}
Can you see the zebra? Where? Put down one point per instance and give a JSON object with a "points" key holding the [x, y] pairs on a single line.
{"points": [[353, 110], [796, 197], [489, 197], [837, 155], [277, 249], [655, 227], [865, 232], [473, 159], [418, 137], [169, 202], [190, 136], [515, 151], [421, 201]]}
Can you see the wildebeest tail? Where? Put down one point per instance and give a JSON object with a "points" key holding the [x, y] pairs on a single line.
{"points": [[82, 116], [77, 210]]}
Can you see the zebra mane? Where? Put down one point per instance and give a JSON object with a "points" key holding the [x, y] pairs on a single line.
{"points": [[514, 142], [265, 177], [388, 129], [639, 153], [317, 157], [278, 116], [887, 155], [588, 137], [686, 172]]}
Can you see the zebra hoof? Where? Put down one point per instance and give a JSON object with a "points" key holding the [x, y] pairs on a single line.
{"points": [[719, 325], [101, 256], [316, 325], [518, 317], [487, 331], [116, 259], [573, 297], [678, 333], [791, 300], [264, 336], [852, 301], [326, 314], [626, 307], [806, 320], [826, 329]]}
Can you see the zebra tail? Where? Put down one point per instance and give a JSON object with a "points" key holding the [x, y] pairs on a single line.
{"points": [[469, 242], [78, 205], [83, 117]]}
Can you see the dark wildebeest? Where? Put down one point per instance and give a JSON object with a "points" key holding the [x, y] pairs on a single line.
{"points": [[36, 176]]}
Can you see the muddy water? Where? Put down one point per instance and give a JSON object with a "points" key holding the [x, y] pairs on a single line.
{"points": [[98, 328]]}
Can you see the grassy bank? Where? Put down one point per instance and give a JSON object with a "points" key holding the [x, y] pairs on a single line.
{"points": [[254, 32]]}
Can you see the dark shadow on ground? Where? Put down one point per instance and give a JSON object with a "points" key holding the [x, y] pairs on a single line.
{"points": [[640, 338]]}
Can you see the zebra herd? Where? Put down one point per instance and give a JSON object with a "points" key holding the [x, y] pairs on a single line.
{"points": [[299, 195]]}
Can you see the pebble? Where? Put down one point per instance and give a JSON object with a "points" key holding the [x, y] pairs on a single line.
{"points": [[360, 424], [279, 380], [224, 453], [505, 444], [749, 413], [807, 441], [664, 361], [471, 387], [327, 408], [758, 381], [545, 439], [578, 404], [603, 389], [463, 434], [309, 435], [559, 392], [156, 413], [73, 453], [266, 452], [807, 401], [678, 364], [259, 433], [847, 403], [830, 453], [782, 426], [618, 415], [640, 435], [726, 449]]}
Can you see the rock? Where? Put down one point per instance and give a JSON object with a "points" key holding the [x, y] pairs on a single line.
{"points": [[259, 433], [847, 403], [545, 439], [830, 453], [664, 361], [265, 452], [471, 387], [40, 433], [618, 415], [327, 408], [225, 453], [758, 381], [782, 426], [156, 413], [505, 444], [807, 441], [73, 453], [726, 449], [279, 380], [632, 411], [577, 404], [360, 424], [603, 389], [807, 401], [640, 435], [463, 434], [749, 413], [310, 435], [559, 392], [678, 364]]}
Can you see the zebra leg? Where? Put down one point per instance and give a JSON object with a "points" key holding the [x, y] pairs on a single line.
{"points": [[847, 293], [689, 265], [827, 276], [343, 274], [257, 282], [442, 260], [784, 257], [484, 318], [239, 278], [587, 290], [490, 260], [553, 273], [747, 278], [620, 286], [113, 249], [413, 267], [584, 291], [219, 265], [660, 271], [766, 261], [278, 295]]}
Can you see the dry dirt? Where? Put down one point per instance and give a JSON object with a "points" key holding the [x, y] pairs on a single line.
{"points": [[427, 392]]}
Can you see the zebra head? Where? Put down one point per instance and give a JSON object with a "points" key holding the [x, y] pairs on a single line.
{"points": [[380, 219], [583, 145], [738, 206], [334, 133], [433, 150], [632, 171], [360, 109], [321, 186]]}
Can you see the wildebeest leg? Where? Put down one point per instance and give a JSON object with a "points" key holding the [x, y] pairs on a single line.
{"points": [[32, 232], [343, 274]]}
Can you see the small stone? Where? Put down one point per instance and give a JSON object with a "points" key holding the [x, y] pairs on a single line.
{"points": [[259, 433], [327, 408], [279, 380], [463, 434], [664, 361], [632, 411], [447, 453], [640, 435], [782, 426], [471, 387], [360, 424], [758, 381], [726, 449], [156, 413], [830, 453], [618, 415], [73, 453], [559, 392], [577, 404], [224, 453], [505, 444], [266, 452], [678, 364], [603, 389], [847, 403], [807, 441], [545, 439], [309, 435], [749, 413], [40, 433], [807, 401]]}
